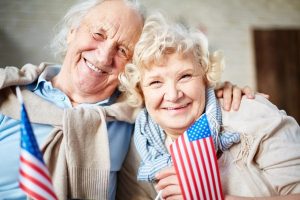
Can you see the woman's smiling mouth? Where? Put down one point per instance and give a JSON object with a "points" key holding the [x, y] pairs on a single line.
{"points": [[176, 107]]}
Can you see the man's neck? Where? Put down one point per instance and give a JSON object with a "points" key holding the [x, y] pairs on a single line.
{"points": [[75, 95]]}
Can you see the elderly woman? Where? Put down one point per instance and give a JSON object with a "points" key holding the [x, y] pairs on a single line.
{"points": [[173, 76]]}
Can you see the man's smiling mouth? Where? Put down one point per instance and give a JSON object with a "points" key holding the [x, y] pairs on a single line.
{"points": [[94, 68]]}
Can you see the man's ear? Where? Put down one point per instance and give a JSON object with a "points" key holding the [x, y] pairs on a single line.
{"points": [[71, 35]]}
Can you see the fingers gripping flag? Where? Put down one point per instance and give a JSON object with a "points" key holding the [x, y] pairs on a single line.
{"points": [[34, 177], [195, 161]]}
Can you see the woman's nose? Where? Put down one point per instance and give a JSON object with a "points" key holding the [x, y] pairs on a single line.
{"points": [[173, 93]]}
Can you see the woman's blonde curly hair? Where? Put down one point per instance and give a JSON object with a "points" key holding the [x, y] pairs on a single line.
{"points": [[160, 38]]}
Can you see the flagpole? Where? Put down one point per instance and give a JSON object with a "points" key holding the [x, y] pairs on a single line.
{"points": [[19, 95], [158, 197], [34, 176]]}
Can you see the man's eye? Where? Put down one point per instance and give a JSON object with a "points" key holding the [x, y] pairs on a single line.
{"points": [[123, 52], [99, 36]]}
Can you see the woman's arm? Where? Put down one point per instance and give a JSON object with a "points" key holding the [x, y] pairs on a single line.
{"points": [[287, 197], [168, 182]]}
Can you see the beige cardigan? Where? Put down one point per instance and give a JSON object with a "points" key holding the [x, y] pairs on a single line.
{"points": [[76, 151], [265, 163]]}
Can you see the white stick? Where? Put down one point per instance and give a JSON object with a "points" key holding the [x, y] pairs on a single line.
{"points": [[19, 94], [158, 195]]}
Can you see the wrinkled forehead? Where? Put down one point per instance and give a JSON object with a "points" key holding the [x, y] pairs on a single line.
{"points": [[115, 9], [118, 19]]}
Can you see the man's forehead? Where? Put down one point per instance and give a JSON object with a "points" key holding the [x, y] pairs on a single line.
{"points": [[122, 33], [126, 28], [114, 9]]}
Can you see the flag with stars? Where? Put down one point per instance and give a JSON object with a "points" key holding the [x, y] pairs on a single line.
{"points": [[195, 162], [34, 177]]}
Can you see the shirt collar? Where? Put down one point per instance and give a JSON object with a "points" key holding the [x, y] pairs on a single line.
{"points": [[48, 73]]}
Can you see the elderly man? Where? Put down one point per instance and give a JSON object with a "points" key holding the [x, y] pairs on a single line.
{"points": [[96, 41]]}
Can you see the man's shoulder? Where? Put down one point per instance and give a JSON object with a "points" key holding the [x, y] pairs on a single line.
{"points": [[12, 76]]}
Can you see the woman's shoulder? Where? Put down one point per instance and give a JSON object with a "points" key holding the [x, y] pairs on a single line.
{"points": [[260, 107], [256, 114]]}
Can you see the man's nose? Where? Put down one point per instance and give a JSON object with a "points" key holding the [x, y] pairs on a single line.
{"points": [[105, 53]]}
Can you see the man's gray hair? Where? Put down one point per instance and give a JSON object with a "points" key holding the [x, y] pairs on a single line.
{"points": [[73, 19]]}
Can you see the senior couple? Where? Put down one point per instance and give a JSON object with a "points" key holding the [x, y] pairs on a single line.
{"points": [[84, 124]]}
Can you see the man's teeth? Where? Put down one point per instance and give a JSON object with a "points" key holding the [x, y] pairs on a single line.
{"points": [[92, 67]]}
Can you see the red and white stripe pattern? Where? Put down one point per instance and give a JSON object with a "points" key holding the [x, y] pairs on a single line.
{"points": [[34, 178], [195, 161]]}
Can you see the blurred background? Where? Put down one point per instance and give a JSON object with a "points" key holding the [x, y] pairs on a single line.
{"points": [[260, 38]]}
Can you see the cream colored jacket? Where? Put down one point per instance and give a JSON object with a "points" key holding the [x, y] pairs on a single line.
{"points": [[265, 163]]}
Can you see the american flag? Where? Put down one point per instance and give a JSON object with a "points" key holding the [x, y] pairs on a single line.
{"points": [[34, 177], [195, 162]]}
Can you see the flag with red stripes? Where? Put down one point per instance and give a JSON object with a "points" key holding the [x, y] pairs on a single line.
{"points": [[34, 177], [195, 161]]}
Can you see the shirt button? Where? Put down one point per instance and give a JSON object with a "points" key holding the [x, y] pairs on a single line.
{"points": [[62, 98]]}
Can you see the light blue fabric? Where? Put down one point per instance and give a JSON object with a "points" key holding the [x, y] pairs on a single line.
{"points": [[119, 134], [149, 139]]}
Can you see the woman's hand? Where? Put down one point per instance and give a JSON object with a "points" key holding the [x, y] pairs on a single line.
{"points": [[169, 184]]}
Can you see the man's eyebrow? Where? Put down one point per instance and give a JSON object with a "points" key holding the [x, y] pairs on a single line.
{"points": [[128, 47], [110, 30], [106, 27]]}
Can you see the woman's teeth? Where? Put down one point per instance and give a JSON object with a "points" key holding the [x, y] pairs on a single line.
{"points": [[176, 108]]}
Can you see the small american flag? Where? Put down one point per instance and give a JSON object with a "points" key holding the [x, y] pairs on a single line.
{"points": [[195, 162], [34, 177]]}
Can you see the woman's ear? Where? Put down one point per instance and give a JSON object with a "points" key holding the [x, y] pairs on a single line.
{"points": [[71, 35]]}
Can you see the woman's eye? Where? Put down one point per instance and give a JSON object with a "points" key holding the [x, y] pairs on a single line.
{"points": [[154, 82], [186, 76]]}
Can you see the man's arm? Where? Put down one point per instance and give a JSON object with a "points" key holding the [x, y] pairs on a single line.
{"points": [[232, 95]]}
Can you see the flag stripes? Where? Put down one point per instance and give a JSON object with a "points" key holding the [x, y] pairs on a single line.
{"points": [[34, 177], [31, 193], [195, 163]]}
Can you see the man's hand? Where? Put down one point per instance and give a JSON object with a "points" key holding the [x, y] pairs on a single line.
{"points": [[169, 184], [232, 95]]}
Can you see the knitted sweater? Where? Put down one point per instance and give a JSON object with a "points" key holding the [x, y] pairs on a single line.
{"points": [[78, 167]]}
